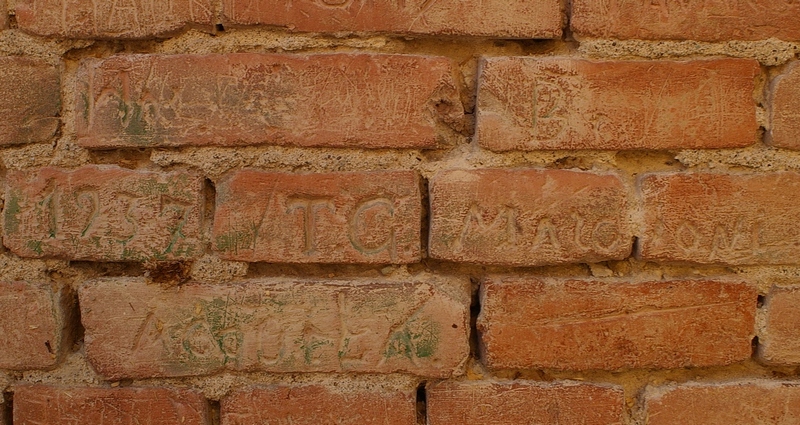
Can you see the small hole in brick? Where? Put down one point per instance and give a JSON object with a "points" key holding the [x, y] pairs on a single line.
{"points": [[455, 326], [422, 404], [760, 301], [220, 27], [754, 344], [49, 348]]}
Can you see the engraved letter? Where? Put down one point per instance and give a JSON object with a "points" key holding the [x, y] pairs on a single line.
{"points": [[310, 208]]}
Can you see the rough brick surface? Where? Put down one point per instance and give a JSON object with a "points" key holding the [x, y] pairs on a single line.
{"points": [[494, 18], [31, 98], [779, 343], [785, 109], [368, 217], [736, 403], [331, 100], [45, 405], [137, 331], [111, 19], [34, 326], [3, 20], [103, 213], [522, 403], [563, 103], [721, 218], [528, 217], [314, 404], [579, 325], [687, 20]]}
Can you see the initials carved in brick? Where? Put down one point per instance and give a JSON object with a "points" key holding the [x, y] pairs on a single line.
{"points": [[540, 217], [329, 218], [111, 19], [343, 100], [103, 213], [274, 326]]}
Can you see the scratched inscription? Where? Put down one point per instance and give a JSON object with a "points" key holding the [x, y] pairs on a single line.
{"points": [[344, 100], [103, 213], [46, 405], [112, 18], [560, 103], [509, 18], [721, 219], [136, 330], [615, 325], [329, 218], [539, 217]]}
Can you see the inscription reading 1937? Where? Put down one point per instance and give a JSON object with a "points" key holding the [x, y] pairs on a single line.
{"points": [[136, 330], [329, 218], [103, 213]]}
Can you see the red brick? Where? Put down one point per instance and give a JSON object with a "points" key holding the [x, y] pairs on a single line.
{"points": [[135, 330], [46, 405], [733, 403], [34, 326], [331, 100], [366, 217], [721, 218], [493, 18], [112, 19], [611, 325], [523, 403], [785, 109], [104, 213], [780, 340], [314, 404], [537, 217], [31, 100], [527, 103], [717, 20]]}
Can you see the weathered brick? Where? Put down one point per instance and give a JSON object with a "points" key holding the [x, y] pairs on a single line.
{"points": [[711, 20], [314, 404], [523, 402], [527, 103], [3, 25], [34, 326], [364, 217], [580, 325], [331, 100], [134, 330], [492, 18], [49, 405], [721, 218], [31, 95], [780, 340], [526, 217], [103, 213], [731, 403], [785, 109], [111, 19]]}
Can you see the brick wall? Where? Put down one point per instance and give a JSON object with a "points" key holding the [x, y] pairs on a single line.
{"points": [[399, 212]]}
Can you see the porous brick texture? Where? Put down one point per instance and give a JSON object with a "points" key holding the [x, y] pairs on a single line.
{"points": [[399, 212]]}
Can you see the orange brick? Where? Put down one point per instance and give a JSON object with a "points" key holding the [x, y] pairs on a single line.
{"points": [[135, 330], [31, 100], [46, 405], [330, 100], [314, 404], [527, 217], [732, 403], [527, 103], [730, 219], [34, 326], [111, 19], [366, 217], [687, 20], [780, 340], [524, 402], [492, 18], [785, 109], [528, 323], [104, 213], [3, 22]]}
